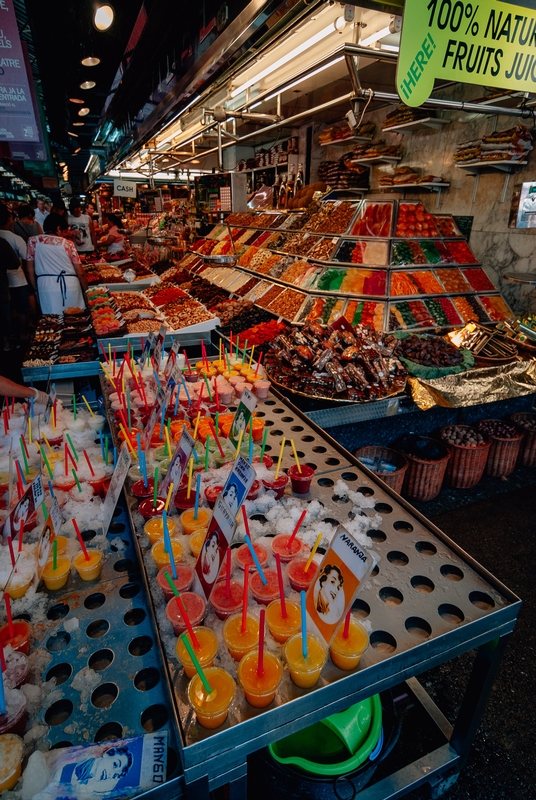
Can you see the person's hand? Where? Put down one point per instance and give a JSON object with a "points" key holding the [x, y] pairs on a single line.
{"points": [[41, 398]]}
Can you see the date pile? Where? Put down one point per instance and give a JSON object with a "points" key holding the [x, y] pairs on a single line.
{"points": [[498, 429], [527, 424], [320, 361], [463, 436], [430, 351]]}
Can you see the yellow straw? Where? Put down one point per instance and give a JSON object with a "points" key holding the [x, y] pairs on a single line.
{"points": [[278, 467], [190, 472], [168, 498], [47, 444], [219, 350], [197, 424], [127, 440], [313, 551], [168, 443], [88, 406], [295, 455], [109, 353], [239, 443], [251, 356]]}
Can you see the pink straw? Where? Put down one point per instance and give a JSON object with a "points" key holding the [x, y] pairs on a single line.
{"points": [[228, 574], [11, 551], [20, 536], [281, 589], [89, 465], [245, 599], [260, 662], [259, 362], [296, 529], [82, 543], [347, 625], [188, 624]]}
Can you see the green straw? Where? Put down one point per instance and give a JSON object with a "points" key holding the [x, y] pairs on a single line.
{"points": [[207, 445], [196, 663], [55, 555], [72, 447], [106, 451], [74, 412], [47, 464], [26, 467], [263, 444], [45, 510], [208, 388], [75, 476], [155, 493]]}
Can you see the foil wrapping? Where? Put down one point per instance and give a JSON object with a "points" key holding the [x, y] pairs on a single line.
{"points": [[476, 386]]}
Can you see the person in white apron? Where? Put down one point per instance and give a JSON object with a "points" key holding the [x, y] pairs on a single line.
{"points": [[54, 268]]}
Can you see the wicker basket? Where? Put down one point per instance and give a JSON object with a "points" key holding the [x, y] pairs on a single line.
{"points": [[503, 454], [424, 478], [378, 453], [467, 464], [527, 457]]}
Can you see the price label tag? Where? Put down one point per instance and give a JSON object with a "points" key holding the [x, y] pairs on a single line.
{"points": [[158, 346], [172, 359], [238, 484], [156, 414], [149, 342], [242, 416], [178, 464], [122, 467], [220, 532]]}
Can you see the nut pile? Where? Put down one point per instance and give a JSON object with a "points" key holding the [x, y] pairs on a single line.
{"points": [[498, 429], [528, 424], [430, 351], [463, 436]]}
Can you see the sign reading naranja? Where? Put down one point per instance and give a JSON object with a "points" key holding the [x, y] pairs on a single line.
{"points": [[484, 42]]}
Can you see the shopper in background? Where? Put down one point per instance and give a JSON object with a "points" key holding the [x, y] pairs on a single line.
{"points": [[18, 285], [26, 226], [82, 224], [54, 268], [9, 260], [115, 241], [41, 212]]}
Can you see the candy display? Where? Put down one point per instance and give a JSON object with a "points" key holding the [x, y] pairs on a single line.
{"points": [[333, 217], [430, 351], [414, 221], [374, 219], [365, 252]]}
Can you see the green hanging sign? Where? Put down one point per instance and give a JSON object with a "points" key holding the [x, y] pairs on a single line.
{"points": [[484, 42]]}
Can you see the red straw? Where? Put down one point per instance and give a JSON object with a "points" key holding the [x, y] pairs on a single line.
{"points": [[347, 625], [296, 529], [231, 341], [245, 599], [187, 362], [213, 431], [12, 405], [104, 353], [125, 423], [5, 422], [228, 574], [260, 662], [11, 551], [20, 490], [21, 533], [89, 464], [2, 659], [25, 448], [259, 362], [19, 473], [10, 626], [186, 619], [281, 588], [246, 522], [82, 543]]}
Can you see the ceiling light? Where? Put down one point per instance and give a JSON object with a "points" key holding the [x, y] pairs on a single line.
{"points": [[83, 112], [374, 37], [87, 85], [285, 59], [90, 61], [195, 161], [72, 133], [103, 17], [76, 151], [300, 80], [76, 100], [78, 123], [339, 24]]}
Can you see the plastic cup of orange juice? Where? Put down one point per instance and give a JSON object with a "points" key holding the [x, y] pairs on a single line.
{"points": [[239, 642], [282, 628], [280, 545], [190, 524], [20, 640], [305, 672], [208, 642], [212, 709], [154, 528], [195, 541], [260, 689], [88, 569], [346, 653], [161, 557], [10, 760], [61, 544], [56, 578]]}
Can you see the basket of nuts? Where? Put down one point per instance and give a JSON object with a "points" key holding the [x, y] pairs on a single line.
{"points": [[506, 444], [526, 421], [469, 450]]}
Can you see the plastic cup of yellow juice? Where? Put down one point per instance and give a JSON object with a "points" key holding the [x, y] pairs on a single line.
{"points": [[241, 643], [10, 760], [305, 672], [212, 709], [280, 627], [189, 524], [56, 578], [195, 541], [208, 642], [88, 569], [346, 653], [154, 528], [260, 689], [161, 558]]}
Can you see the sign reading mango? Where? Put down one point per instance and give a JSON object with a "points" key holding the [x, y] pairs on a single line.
{"points": [[490, 43]]}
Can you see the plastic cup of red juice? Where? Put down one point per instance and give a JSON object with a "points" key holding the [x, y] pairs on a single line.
{"points": [[211, 494], [141, 491], [243, 556], [277, 485], [254, 491], [183, 581], [148, 509], [298, 578], [182, 501], [21, 636], [268, 461], [301, 481], [195, 606], [265, 593], [225, 606], [286, 553]]}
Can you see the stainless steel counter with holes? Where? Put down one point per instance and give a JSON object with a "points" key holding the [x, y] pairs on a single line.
{"points": [[427, 602], [109, 630]]}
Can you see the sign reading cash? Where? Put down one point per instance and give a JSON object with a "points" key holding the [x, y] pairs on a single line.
{"points": [[485, 42]]}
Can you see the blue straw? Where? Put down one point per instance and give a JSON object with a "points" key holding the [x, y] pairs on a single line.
{"points": [[177, 400], [303, 626], [101, 444], [115, 456], [197, 493], [32, 407], [251, 451], [195, 456], [167, 544], [144, 469], [157, 378], [25, 482], [138, 437], [186, 390], [51, 490], [255, 559], [2, 695], [162, 423]]}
